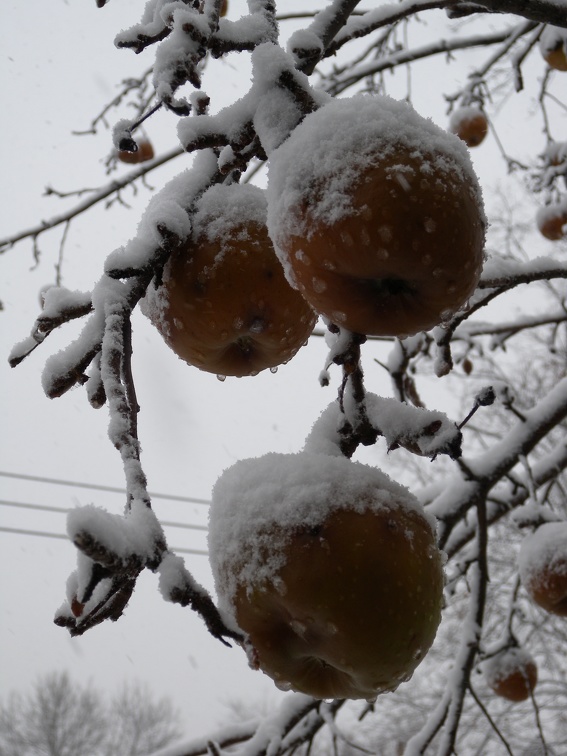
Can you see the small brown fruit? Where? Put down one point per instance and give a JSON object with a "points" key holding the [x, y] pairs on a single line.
{"points": [[511, 674], [144, 152], [377, 216], [552, 221], [224, 305], [469, 124], [543, 567], [330, 568], [553, 47]]}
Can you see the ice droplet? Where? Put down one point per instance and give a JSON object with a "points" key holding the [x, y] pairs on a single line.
{"points": [[221, 377], [274, 369], [283, 685]]}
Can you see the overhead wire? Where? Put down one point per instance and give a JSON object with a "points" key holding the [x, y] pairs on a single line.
{"points": [[45, 534], [64, 510], [99, 487], [92, 486]]}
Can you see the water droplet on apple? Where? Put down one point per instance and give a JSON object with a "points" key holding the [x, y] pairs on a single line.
{"points": [[221, 377], [347, 239], [274, 369], [319, 285], [426, 259], [298, 628], [283, 685]]}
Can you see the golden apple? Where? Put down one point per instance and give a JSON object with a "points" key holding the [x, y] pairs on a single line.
{"points": [[330, 569], [543, 567], [377, 216], [225, 305]]}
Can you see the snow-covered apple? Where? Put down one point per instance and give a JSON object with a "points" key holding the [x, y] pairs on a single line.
{"points": [[224, 304], [553, 47], [552, 220], [543, 567], [511, 673], [144, 152], [330, 568], [470, 124], [377, 216]]}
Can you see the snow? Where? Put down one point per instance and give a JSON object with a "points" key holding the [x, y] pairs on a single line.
{"points": [[167, 209], [551, 38], [544, 549], [333, 145], [122, 536], [256, 496], [427, 432], [222, 216]]}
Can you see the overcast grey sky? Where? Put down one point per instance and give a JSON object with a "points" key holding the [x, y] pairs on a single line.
{"points": [[58, 69]]}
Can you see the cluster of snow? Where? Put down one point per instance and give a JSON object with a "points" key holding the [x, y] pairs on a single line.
{"points": [[166, 209], [333, 146], [428, 432], [552, 37], [256, 501], [135, 533]]}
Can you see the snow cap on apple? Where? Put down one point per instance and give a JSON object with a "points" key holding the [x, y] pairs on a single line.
{"points": [[377, 217], [330, 568], [543, 567]]}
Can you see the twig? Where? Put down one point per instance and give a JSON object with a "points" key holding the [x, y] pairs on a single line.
{"points": [[98, 196]]}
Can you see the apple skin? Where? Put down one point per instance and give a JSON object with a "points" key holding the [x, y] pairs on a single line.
{"points": [[227, 307], [543, 567], [354, 609], [144, 152], [407, 251], [470, 125], [512, 674], [355, 600]]}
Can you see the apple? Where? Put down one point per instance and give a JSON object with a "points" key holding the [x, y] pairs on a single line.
{"points": [[223, 8], [511, 673], [543, 567], [553, 47], [225, 305], [552, 220], [377, 216], [330, 569], [144, 152], [469, 124]]}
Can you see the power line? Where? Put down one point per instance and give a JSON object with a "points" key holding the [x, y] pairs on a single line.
{"points": [[99, 487], [63, 510], [45, 534]]}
